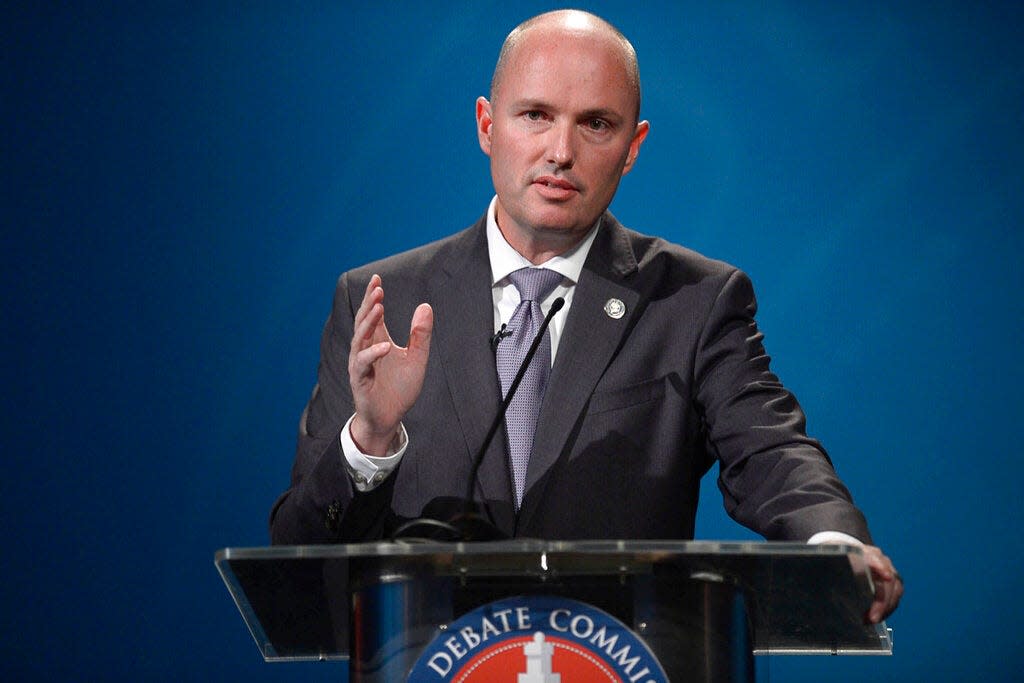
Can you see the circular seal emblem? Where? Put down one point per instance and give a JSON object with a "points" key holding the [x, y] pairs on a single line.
{"points": [[615, 308], [537, 639]]}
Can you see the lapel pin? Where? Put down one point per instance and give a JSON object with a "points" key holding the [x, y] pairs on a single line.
{"points": [[615, 308]]}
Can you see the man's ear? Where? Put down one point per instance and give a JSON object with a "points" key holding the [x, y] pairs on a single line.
{"points": [[639, 136], [483, 124]]}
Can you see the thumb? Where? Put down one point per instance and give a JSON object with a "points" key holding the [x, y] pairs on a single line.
{"points": [[421, 330]]}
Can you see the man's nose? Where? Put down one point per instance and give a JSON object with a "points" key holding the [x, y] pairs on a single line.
{"points": [[561, 146]]}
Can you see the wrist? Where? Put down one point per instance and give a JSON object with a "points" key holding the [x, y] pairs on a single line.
{"points": [[374, 442]]}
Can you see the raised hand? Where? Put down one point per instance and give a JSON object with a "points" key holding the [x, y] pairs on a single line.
{"points": [[386, 379]]}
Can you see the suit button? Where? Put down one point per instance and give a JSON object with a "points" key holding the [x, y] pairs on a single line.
{"points": [[332, 520]]}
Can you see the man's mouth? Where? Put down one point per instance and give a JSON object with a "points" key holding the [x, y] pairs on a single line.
{"points": [[555, 183]]}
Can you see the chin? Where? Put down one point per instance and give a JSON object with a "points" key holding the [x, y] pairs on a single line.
{"points": [[557, 229], [548, 223]]}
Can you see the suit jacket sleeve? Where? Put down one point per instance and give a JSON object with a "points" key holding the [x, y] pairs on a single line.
{"points": [[774, 478], [322, 505]]}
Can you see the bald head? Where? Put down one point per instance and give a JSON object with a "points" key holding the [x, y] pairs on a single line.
{"points": [[569, 25]]}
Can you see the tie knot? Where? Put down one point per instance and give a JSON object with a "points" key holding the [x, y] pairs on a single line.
{"points": [[534, 283]]}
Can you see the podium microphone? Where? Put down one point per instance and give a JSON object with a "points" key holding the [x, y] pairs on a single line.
{"points": [[469, 525], [468, 513]]}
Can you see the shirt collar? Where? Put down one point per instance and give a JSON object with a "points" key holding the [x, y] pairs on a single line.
{"points": [[505, 259]]}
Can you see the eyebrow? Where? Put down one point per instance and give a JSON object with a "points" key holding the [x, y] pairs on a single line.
{"points": [[609, 114], [530, 104]]}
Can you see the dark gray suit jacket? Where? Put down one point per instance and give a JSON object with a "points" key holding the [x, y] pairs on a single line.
{"points": [[636, 411]]}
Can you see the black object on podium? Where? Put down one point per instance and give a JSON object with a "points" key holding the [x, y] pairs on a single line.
{"points": [[703, 609]]}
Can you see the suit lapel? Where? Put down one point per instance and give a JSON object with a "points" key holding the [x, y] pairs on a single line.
{"points": [[464, 323], [589, 341]]}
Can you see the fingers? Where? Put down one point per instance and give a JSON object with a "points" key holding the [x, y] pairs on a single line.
{"points": [[370, 329], [888, 584], [879, 564], [369, 314], [361, 366], [367, 344], [371, 341], [887, 599]]}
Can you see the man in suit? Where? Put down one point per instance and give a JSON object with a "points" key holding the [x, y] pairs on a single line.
{"points": [[656, 364]]}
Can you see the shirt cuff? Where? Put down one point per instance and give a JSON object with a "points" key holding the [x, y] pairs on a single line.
{"points": [[368, 472], [834, 537]]}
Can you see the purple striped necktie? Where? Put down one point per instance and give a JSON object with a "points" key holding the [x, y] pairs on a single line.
{"points": [[534, 284]]}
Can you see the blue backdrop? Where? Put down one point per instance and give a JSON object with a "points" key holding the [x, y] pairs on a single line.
{"points": [[182, 184]]}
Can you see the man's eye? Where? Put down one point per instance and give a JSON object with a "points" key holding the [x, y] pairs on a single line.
{"points": [[597, 124], [534, 115]]}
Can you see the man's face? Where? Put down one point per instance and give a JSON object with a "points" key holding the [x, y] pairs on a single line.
{"points": [[560, 133]]}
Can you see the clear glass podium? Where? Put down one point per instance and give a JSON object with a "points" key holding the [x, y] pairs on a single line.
{"points": [[703, 608]]}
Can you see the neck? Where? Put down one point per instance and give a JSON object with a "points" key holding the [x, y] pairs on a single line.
{"points": [[539, 248]]}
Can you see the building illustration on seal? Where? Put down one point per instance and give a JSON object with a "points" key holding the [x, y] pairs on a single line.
{"points": [[538, 662]]}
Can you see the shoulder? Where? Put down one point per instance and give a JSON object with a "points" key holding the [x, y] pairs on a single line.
{"points": [[676, 279], [659, 259], [421, 263]]}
